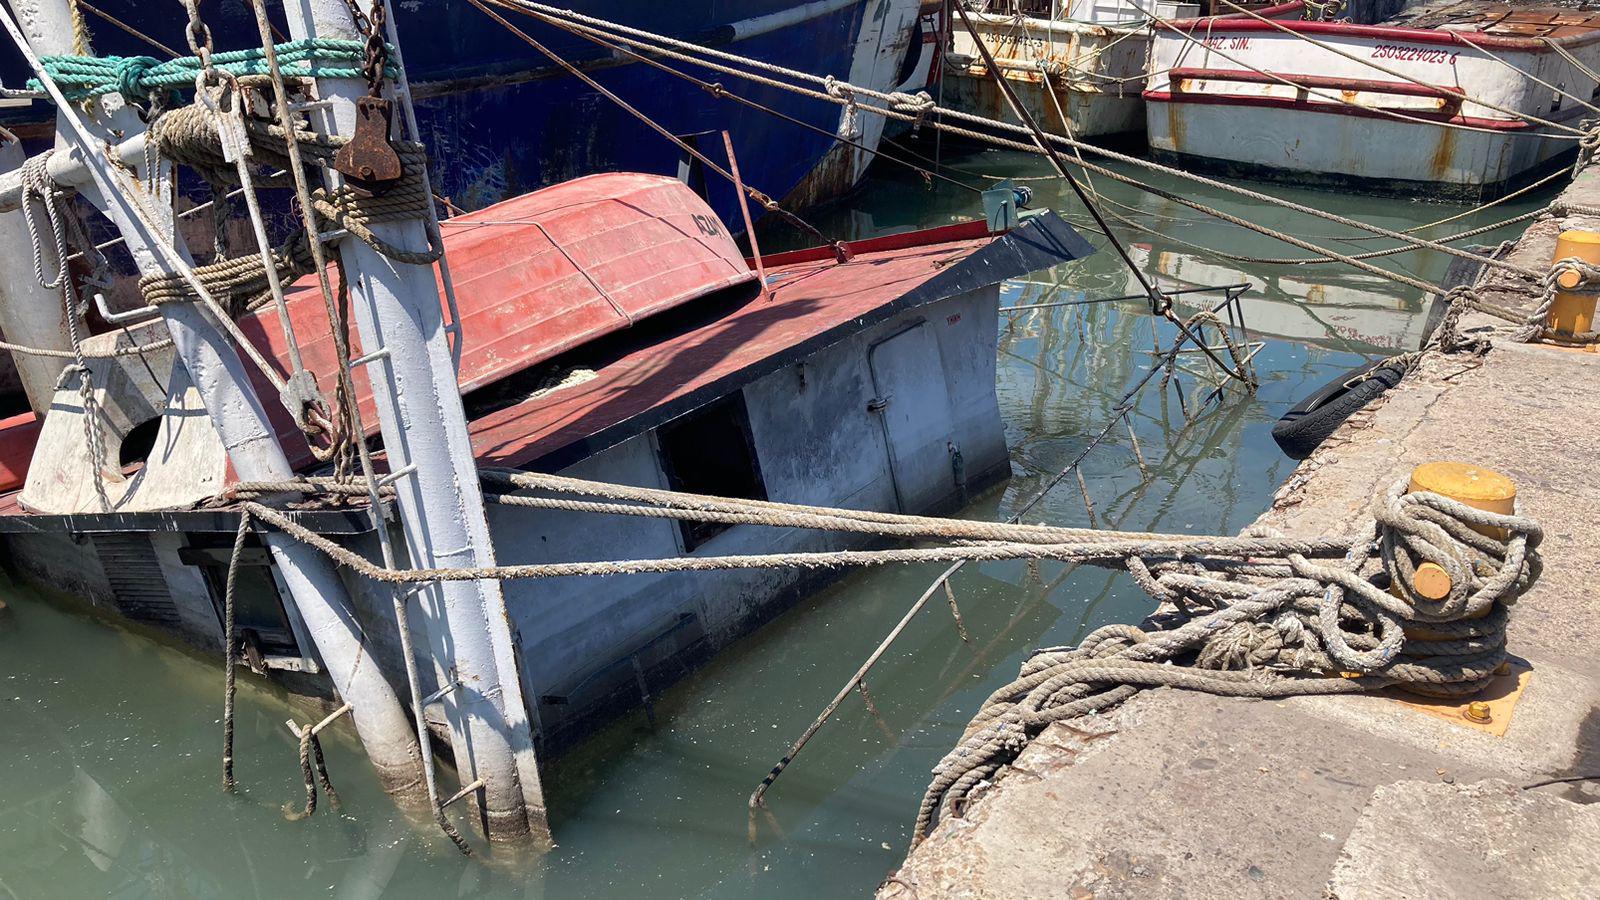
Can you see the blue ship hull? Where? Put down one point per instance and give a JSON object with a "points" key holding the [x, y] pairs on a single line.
{"points": [[499, 118]]}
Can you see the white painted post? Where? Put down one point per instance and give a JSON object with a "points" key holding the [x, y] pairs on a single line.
{"points": [[240, 420], [30, 313], [424, 426]]}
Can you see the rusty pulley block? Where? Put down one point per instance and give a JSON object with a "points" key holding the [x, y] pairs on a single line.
{"points": [[369, 161]]}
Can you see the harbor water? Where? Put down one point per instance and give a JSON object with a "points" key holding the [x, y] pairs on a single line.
{"points": [[110, 738]]}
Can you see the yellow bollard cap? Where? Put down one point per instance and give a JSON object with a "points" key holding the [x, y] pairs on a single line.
{"points": [[1578, 243], [1475, 486], [1478, 488]]}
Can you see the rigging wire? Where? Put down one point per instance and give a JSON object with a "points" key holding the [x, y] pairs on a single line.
{"points": [[1401, 75], [1159, 304], [937, 114], [766, 202]]}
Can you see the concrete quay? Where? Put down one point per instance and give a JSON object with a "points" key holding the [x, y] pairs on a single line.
{"points": [[1180, 794]]}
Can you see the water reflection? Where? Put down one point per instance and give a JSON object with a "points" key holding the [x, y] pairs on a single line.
{"points": [[108, 741]]}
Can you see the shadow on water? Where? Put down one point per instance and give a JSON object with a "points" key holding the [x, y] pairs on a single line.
{"points": [[109, 743]]}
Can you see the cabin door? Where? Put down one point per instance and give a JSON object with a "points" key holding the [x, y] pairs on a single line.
{"points": [[913, 405]]}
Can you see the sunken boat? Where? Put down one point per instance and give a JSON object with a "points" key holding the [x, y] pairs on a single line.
{"points": [[390, 456]]}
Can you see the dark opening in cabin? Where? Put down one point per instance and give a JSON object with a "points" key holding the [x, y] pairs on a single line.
{"points": [[259, 616], [710, 451]]}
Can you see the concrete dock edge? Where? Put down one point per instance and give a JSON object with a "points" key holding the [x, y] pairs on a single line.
{"points": [[1179, 794]]}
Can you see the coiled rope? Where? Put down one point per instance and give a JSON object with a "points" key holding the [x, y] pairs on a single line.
{"points": [[1320, 629], [188, 136]]}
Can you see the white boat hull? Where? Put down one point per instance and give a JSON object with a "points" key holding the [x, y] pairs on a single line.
{"points": [[1210, 101]]}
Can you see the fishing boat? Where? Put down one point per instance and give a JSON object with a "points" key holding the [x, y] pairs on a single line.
{"points": [[475, 510], [612, 332], [1461, 99], [1077, 66], [501, 117]]}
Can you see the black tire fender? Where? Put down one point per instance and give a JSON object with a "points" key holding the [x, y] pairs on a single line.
{"points": [[1302, 429]]}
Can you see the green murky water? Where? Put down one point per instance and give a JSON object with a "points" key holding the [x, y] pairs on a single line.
{"points": [[109, 740]]}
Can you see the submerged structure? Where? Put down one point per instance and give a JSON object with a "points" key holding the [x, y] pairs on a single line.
{"points": [[349, 456], [1459, 98]]}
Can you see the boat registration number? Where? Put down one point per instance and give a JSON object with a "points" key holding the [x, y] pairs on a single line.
{"points": [[1414, 54]]}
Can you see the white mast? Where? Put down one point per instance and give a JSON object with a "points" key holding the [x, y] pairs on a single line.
{"points": [[399, 316]]}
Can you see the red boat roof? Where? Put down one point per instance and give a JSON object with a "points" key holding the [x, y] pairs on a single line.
{"points": [[813, 303], [538, 275]]}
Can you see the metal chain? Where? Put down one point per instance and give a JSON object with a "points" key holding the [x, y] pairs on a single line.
{"points": [[371, 26], [197, 34]]}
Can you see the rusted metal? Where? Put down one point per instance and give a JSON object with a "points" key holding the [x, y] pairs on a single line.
{"points": [[744, 207], [540, 274], [369, 161]]}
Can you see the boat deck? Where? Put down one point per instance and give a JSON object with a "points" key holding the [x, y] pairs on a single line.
{"points": [[809, 302], [1516, 20]]}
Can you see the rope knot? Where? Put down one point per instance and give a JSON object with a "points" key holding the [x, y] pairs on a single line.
{"points": [[919, 104], [1584, 278], [129, 75], [845, 93], [71, 371], [1486, 555], [1588, 142], [1459, 299]]}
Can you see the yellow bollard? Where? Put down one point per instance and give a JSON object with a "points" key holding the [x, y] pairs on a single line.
{"points": [[1478, 488], [1574, 313]]}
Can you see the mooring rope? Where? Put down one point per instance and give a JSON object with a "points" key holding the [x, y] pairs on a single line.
{"points": [[230, 649], [1326, 629], [1585, 280]]}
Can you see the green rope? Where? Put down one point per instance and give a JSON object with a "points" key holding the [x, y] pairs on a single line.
{"points": [[138, 77]]}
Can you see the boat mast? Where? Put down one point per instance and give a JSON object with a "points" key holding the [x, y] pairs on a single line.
{"points": [[400, 320], [220, 376]]}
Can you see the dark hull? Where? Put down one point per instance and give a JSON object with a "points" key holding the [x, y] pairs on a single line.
{"points": [[500, 118]]}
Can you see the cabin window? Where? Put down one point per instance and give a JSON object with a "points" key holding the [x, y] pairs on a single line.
{"points": [[710, 451]]}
